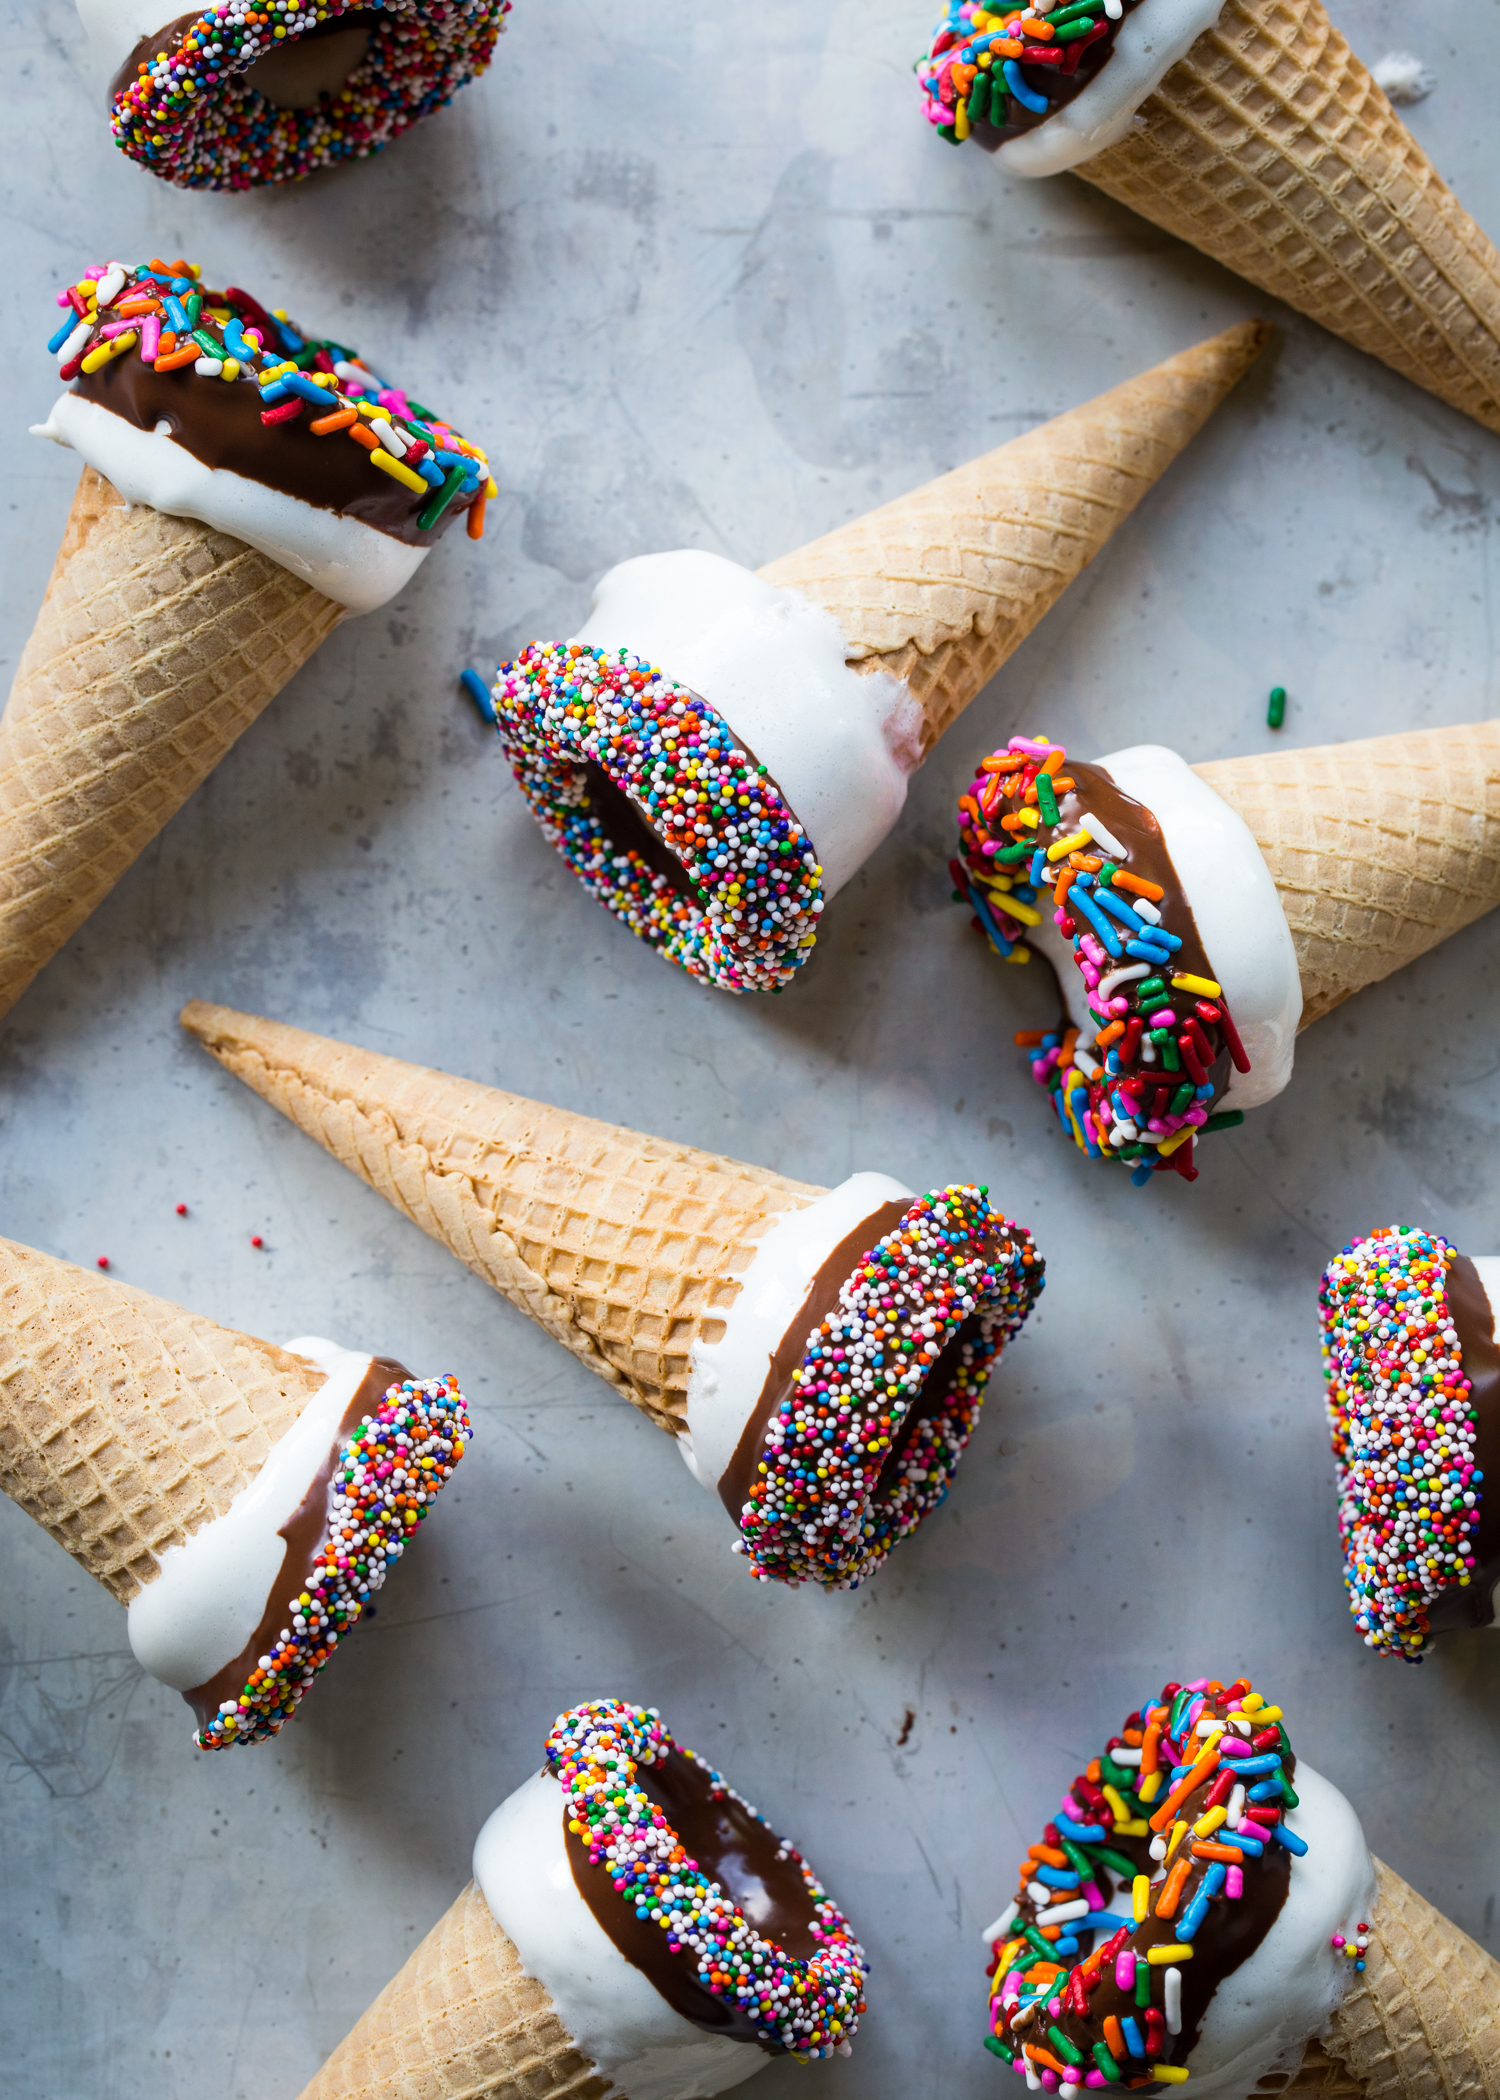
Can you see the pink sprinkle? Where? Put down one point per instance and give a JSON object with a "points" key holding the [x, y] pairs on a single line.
{"points": [[104, 1261], [1125, 1971], [1090, 1891], [1234, 1882], [150, 339]]}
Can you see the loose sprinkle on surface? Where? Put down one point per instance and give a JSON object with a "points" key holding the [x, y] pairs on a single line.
{"points": [[803, 2008]]}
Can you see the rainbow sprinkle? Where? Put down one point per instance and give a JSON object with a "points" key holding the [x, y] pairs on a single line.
{"points": [[1404, 1430], [747, 914], [1196, 1787], [165, 313], [1140, 1082], [192, 117], [385, 1480], [803, 2008], [819, 1510], [975, 72]]}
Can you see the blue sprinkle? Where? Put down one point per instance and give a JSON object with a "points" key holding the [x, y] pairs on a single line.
{"points": [[275, 391], [55, 343], [1193, 1917], [1054, 1877], [1023, 94], [1135, 2041], [479, 693], [1265, 1790], [1119, 909], [1140, 1175], [1080, 1833], [1000, 944], [1082, 901], [1146, 950], [1243, 1767], [1289, 1839]]}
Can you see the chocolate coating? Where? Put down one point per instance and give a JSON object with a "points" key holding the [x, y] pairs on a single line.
{"points": [[732, 1847], [1059, 87]]}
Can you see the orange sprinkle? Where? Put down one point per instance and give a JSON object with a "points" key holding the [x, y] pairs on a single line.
{"points": [[1172, 1887], [1104, 1038], [138, 306], [1062, 886], [1183, 1788], [1049, 1853], [1132, 1737], [174, 360], [340, 420], [363, 435], [1002, 762], [1206, 1849], [1039, 2055], [1114, 2040], [1092, 1772], [1153, 890], [476, 515], [1028, 1039], [1085, 863]]}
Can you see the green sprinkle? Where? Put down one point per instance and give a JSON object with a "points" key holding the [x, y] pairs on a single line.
{"points": [[1150, 988], [1115, 1861], [1034, 1940], [979, 98], [1070, 30], [1079, 1860], [1105, 2060], [993, 2043], [1226, 1119], [441, 498], [1182, 1097], [1142, 1983], [1009, 855], [207, 344], [1066, 2049], [1276, 708], [1289, 1799], [1116, 1774], [1046, 800]]}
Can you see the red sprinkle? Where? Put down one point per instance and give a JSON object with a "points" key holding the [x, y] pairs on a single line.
{"points": [[104, 1261], [256, 1240], [182, 1210]]}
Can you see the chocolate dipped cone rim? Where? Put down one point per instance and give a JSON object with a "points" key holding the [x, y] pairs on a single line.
{"points": [[679, 1922], [182, 106], [843, 1460]]}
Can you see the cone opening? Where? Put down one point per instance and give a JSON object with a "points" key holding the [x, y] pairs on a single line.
{"points": [[217, 116], [983, 83], [661, 812]]}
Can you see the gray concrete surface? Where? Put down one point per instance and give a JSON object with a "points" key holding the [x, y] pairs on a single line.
{"points": [[705, 280]]}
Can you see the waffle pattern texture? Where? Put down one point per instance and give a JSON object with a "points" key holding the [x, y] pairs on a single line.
{"points": [[627, 1249], [462, 2021], [158, 642], [1271, 148], [1380, 848], [1319, 2076], [941, 586], [125, 1422]]}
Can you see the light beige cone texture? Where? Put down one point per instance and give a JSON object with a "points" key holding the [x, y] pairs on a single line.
{"points": [[1271, 148], [1380, 848], [627, 1249], [1318, 2077], [159, 641], [462, 2021], [939, 587], [125, 1422]]}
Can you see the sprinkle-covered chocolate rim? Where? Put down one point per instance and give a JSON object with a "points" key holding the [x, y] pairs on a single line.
{"points": [[816, 1512], [163, 314], [1204, 1776], [800, 2007], [419, 1428], [190, 116], [751, 919], [1404, 1429], [996, 71], [1138, 1085]]}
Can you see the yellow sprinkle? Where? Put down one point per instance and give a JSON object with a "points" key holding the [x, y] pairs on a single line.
{"points": [[1252, 1702], [1140, 1896], [1135, 1827], [1029, 818], [492, 488], [382, 459], [369, 409], [115, 347], [1203, 986], [231, 368], [1020, 953], [961, 119], [1179, 1832], [1207, 1825], [1116, 1802], [1169, 1145], [1169, 2074], [1159, 1957], [1061, 848], [1268, 1713], [1026, 913], [1150, 1786]]}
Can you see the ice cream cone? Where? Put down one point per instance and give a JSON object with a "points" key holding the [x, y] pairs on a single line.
{"points": [[625, 1248], [941, 586], [1272, 149], [125, 1422], [461, 2021], [1319, 2076], [158, 642], [1380, 848], [1424, 2017]]}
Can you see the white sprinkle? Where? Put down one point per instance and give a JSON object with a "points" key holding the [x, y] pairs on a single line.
{"points": [[1403, 76], [1059, 1913], [1126, 1757], [1172, 1993], [1103, 837]]}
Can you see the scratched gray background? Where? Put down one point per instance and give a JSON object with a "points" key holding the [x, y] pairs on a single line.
{"points": [[704, 280]]}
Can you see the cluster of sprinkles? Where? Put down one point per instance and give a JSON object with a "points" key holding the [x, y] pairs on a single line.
{"points": [[803, 2008], [1198, 1783], [162, 312], [980, 57], [191, 115], [843, 1475], [385, 1480], [1404, 1430], [1138, 1083], [751, 919]]}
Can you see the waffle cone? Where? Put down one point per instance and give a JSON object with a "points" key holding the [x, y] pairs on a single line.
{"points": [[1380, 848], [462, 2021], [125, 1422], [1319, 2076], [627, 1249], [158, 642], [941, 586], [1271, 148]]}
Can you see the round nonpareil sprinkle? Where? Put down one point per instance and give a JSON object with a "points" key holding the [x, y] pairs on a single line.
{"points": [[745, 912], [385, 1480], [1404, 1430], [801, 2007], [843, 1477], [191, 115]]}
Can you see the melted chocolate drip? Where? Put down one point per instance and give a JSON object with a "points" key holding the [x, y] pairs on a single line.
{"points": [[1474, 1321], [219, 423], [304, 1531], [169, 38], [1059, 87], [733, 1848]]}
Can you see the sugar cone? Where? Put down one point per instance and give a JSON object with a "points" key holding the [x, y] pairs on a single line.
{"points": [[1319, 2076], [1423, 2021], [462, 2021], [158, 642], [628, 1249], [942, 585], [1271, 148], [1380, 848], [125, 1422]]}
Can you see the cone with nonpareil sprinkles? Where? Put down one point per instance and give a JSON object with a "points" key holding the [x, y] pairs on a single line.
{"points": [[242, 1501], [757, 1319], [716, 753], [1249, 129], [1197, 916]]}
